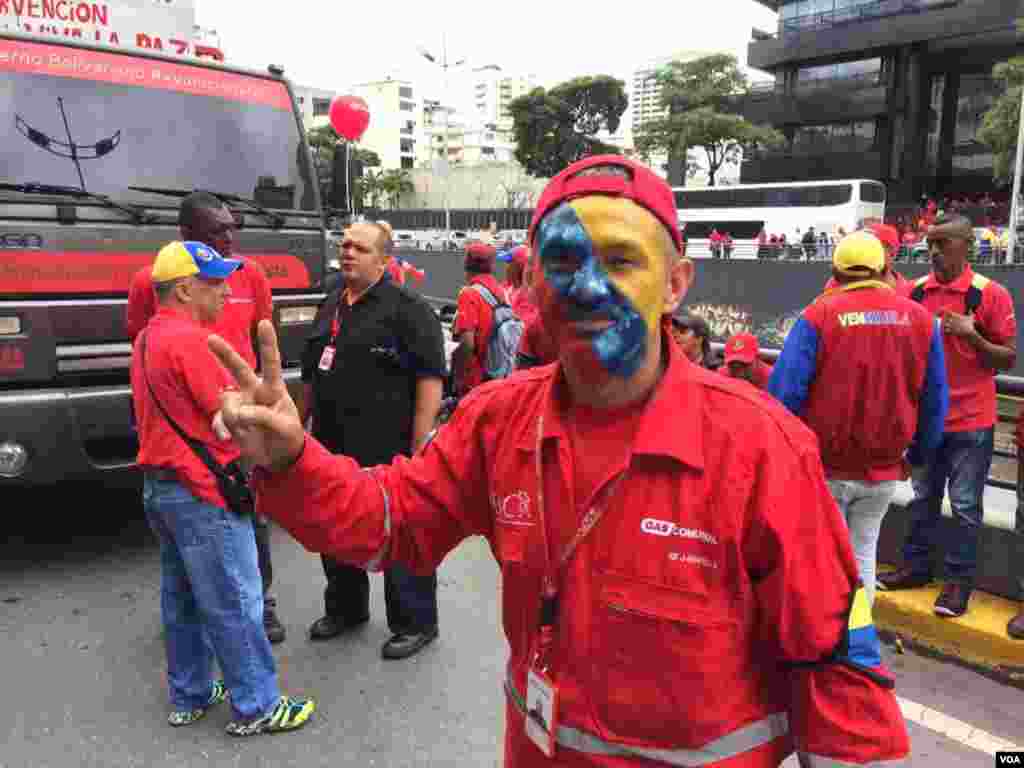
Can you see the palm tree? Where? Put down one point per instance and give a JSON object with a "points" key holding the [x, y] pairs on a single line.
{"points": [[396, 183]]}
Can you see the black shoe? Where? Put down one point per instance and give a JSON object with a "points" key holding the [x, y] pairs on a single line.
{"points": [[903, 578], [329, 626], [271, 624], [953, 600], [402, 646], [1015, 628]]}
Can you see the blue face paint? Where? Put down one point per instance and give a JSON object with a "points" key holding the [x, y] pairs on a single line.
{"points": [[571, 267]]}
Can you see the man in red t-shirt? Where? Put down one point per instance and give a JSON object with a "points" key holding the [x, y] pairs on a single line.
{"points": [[211, 595], [742, 361], [979, 339], [203, 218], [474, 318], [515, 276]]}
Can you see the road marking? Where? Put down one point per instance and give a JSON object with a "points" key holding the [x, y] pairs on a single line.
{"points": [[951, 728]]}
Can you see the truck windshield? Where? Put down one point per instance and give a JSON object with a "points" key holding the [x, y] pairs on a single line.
{"points": [[111, 121]]}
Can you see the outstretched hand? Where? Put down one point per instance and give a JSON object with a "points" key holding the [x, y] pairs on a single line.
{"points": [[260, 415]]}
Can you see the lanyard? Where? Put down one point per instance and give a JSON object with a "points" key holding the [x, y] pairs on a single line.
{"points": [[549, 597]]}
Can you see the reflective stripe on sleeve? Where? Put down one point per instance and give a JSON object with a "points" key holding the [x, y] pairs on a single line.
{"points": [[807, 760], [374, 563], [750, 736]]}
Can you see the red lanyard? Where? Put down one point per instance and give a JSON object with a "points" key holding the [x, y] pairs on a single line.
{"points": [[336, 320], [549, 597]]}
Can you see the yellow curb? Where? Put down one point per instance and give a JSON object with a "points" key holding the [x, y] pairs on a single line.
{"points": [[978, 638]]}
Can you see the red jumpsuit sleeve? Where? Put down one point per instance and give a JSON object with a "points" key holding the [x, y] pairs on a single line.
{"points": [[141, 303], [412, 512], [815, 618]]}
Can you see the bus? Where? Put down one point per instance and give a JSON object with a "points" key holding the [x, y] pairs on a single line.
{"points": [[744, 210]]}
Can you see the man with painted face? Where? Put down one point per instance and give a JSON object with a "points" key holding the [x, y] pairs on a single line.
{"points": [[656, 593]]}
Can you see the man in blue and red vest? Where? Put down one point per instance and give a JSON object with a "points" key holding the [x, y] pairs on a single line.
{"points": [[864, 368], [979, 339]]}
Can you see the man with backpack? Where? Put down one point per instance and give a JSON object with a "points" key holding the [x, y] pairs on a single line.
{"points": [[980, 339], [486, 328]]}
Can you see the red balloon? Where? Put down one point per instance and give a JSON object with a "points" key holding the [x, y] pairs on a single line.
{"points": [[350, 117]]}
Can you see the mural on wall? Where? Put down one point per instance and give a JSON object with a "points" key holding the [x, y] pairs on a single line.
{"points": [[724, 320]]}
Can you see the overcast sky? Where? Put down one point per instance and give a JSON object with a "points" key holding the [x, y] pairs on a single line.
{"points": [[334, 45]]}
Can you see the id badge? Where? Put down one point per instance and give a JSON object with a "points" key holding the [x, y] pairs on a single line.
{"points": [[327, 358], [541, 711]]}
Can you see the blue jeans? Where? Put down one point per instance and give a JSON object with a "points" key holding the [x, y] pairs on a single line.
{"points": [[211, 601], [964, 460]]}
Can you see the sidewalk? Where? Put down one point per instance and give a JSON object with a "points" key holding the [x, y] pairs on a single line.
{"points": [[977, 640]]}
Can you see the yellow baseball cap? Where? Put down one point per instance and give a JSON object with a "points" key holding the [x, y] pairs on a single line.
{"points": [[859, 253], [184, 259]]}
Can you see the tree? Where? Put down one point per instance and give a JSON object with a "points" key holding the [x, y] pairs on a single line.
{"points": [[699, 98], [1001, 124], [396, 183], [555, 128], [323, 142]]}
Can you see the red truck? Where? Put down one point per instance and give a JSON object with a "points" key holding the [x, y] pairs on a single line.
{"points": [[97, 146]]}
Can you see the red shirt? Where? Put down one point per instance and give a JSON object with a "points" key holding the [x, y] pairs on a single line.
{"points": [[188, 380], [680, 613], [972, 384], [474, 315], [250, 301], [762, 372], [536, 344]]}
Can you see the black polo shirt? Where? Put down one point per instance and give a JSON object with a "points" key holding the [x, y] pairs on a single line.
{"points": [[363, 406]]}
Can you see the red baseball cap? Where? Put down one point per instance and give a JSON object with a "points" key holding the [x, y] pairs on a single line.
{"points": [[480, 256], [741, 348], [889, 236], [639, 184]]}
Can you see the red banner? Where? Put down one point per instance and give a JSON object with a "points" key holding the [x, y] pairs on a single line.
{"points": [[76, 272], [125, 69]]}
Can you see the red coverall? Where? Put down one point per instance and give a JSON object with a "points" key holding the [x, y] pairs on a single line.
{"points": [[709, 618]]}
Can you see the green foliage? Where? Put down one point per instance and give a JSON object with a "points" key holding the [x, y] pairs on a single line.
{"points": [[554, 128], [323, 142], [1001, 124], [700, 97]]}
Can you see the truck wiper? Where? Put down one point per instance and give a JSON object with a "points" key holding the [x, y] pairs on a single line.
{"points": [[138, 214], [276, 220]]}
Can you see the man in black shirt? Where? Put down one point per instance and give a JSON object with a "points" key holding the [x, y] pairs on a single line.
{"points": [[373, 369]]}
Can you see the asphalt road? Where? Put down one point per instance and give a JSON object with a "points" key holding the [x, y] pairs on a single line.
{"points": [[82, 664]]}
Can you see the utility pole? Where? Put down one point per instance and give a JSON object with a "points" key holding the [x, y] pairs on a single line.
{"points": [[1015, 201], [445, 65]]}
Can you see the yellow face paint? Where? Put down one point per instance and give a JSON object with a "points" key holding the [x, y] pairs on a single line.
{"points": [[630, 244]]}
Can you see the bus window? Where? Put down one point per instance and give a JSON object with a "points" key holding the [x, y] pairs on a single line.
{"points": [[737, 230], [872, 192]]}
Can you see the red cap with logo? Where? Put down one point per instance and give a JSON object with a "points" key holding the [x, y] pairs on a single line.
{"points": [[890, 238], [638, 183], [741, 348], [480, 257]]}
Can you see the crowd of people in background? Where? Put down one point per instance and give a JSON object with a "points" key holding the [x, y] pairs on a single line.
{"points": [[366, 475]]}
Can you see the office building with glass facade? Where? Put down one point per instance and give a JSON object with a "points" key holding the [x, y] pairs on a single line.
{"points": [[887, 89]]}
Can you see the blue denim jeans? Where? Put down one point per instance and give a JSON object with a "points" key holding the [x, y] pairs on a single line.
{"points": [[864, 506], [211, 601], [964, 460]]}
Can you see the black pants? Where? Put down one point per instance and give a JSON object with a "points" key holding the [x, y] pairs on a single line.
{"points": [[411, 600], [262, 529]]}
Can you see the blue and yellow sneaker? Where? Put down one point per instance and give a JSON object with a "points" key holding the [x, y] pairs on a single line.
{"points": [[187, 717], [288, 715]]}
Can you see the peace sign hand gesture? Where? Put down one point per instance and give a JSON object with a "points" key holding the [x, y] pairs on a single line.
{"points": [[260, 415]]}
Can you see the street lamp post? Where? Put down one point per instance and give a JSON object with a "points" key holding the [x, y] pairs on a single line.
{"points": [[445, 65], [1015, 200]]}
